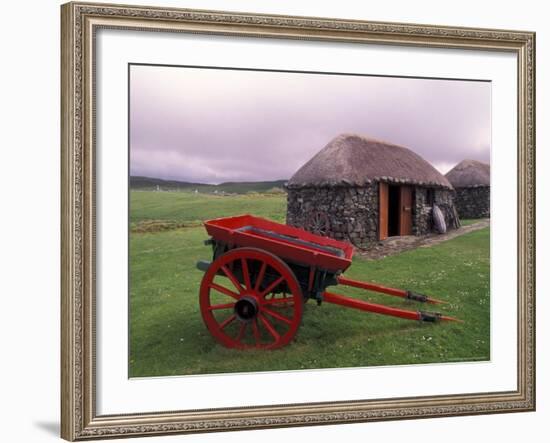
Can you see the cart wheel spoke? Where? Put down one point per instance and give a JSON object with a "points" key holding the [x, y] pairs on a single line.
{"points": [[242, 331], [222, 306], [224, 290], [233, 279], [260, 278], [277, 316], [272, 286], [279, 301], [269, 327], [228, 321], [256, 333], [246, 274]]}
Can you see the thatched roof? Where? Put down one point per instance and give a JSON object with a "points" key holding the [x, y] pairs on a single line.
{"points": [[470, 173], [354, 160]]}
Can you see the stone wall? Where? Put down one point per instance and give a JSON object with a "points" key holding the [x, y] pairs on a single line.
{"points": [[473, 202], [341, 212], [422, 210], [351, 213], [444, 198]]}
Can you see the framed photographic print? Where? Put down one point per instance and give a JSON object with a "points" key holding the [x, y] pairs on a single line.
{"points": [[281, 221]]}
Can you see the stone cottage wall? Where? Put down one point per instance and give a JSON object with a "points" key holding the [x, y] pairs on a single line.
{"points": [[444, 198], [422, 211], [473, 202], [351, 213], [348, 213]]}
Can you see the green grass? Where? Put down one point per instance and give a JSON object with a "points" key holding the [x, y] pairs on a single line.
{"points": [[191, 208], [168, 337], [469, 221]]}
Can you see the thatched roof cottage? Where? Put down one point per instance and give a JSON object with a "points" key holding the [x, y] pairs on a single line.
{"points": [[364, 190], [472, 182]]}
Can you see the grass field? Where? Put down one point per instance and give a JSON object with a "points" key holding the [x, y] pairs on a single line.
{"points": [[190, 209], [168, 337], [468, 221]]}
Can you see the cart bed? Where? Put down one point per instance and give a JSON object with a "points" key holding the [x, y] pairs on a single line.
{"points": [[288, 243]]}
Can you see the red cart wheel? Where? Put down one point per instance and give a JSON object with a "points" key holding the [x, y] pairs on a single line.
{"points": [[238, 304]]}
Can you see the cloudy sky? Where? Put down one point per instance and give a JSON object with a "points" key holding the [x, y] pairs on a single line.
{"points": [[213, 125]]}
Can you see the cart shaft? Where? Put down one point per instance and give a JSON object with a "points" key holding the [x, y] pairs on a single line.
{"points": [[386, 290], [342, 300]]}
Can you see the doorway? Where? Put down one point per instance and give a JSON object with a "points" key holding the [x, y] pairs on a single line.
{"points": [[395, 210]]}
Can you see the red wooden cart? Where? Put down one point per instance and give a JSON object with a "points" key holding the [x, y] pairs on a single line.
{"points": [[253, 292]]}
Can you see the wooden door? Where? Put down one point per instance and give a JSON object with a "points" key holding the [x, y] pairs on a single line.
{"points": [[383, 200], [405, 210]]}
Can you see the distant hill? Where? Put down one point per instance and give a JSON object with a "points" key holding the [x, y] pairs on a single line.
{"points": [[148, 183]]}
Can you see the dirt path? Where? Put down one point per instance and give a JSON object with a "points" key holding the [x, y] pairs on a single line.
{"points": [[395, 245]]}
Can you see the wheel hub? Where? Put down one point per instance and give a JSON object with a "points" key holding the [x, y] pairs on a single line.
{"points": [[246, 308]]}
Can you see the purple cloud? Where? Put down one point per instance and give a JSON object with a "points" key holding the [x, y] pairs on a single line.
{"points": [[211, 126]]}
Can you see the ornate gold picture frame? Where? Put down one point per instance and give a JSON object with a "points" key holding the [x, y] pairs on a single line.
{"points": [[80, 24]]}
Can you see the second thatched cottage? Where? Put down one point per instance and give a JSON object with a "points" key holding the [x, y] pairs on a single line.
{"points": [[364, 190], [472, 182]]}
